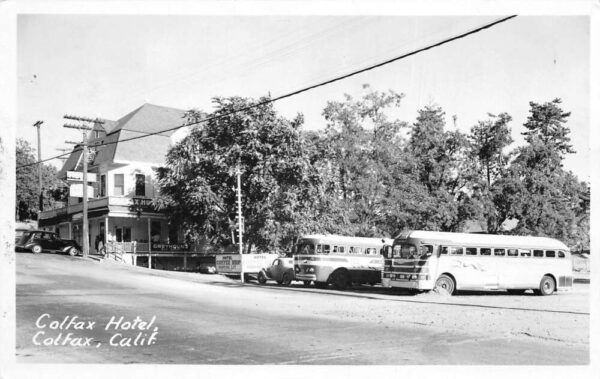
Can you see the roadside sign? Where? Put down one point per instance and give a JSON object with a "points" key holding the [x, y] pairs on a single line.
{"points": [[76, 190], [77, 176], [252, 263]]}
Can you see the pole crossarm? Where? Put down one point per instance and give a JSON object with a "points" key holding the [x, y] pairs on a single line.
{"points": [[80, 127], [86, 119]]}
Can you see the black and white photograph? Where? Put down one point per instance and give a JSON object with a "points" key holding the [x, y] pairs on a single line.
{"points": [[299, 189]]}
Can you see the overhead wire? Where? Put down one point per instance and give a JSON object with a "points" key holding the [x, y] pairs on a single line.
{"points": [[293, 93]]}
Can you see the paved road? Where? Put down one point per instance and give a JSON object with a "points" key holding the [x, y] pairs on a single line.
{"points": [[204, 319]]}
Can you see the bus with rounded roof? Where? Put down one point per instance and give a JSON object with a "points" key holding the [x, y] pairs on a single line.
{"points": [[448, 262], [339, 260]]}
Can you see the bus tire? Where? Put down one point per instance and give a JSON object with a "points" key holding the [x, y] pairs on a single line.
{"points": [[320, 285], [287, 279], [547, 286], [445, 284], [340, 280]]}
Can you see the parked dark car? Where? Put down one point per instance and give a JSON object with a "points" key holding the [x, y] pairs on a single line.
{"points": [[37, 241]]}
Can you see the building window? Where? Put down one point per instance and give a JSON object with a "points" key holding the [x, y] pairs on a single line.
{"points": [[140, 185], [119, 185], [102, 185], [123, 234]]}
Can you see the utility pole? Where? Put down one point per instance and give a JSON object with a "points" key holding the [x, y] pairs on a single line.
{"points": [[39, 149], [84, 129], [239, 201]]}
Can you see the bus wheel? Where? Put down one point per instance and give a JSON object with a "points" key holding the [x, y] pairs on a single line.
{"points": [[547, 286], [340, 280], [287, 279], [320, 285], [444, 284]]}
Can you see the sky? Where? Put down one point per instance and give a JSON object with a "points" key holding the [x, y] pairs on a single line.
{"points": [[108, 65]]}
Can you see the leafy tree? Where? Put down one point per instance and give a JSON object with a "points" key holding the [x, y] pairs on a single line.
{"points": [[361, 144], [198, 182], [536, 190], [27, 184], [488, 140], [440, 166]]}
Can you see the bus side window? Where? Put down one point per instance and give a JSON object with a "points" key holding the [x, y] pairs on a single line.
{"points": [[426, 250], [371, 251], [471, 251], [326, 249], [538, 253], [358, 250], [499, 252], [340, 249], [485, 251], [444, 250], [351, 250], [561, 254], [525, 252], [456, 251], [319, 249], [513, 253], [550, 254]]}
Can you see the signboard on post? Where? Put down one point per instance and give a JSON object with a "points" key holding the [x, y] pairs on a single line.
{"points": [[76, 190], [250, 263], [77, 176]]}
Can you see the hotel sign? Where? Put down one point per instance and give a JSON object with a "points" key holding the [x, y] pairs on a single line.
{"points": [[77, 176], [76, 190], [156, 246]]}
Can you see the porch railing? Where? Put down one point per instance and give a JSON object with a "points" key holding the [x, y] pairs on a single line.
{"points": [[127, 247]]}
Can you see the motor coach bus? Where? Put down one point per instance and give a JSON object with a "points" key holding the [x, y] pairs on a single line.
{"points": [[424, 260], [339, 260]]}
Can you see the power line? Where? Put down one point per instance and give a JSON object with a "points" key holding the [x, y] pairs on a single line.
{"points": [[297, 92]]}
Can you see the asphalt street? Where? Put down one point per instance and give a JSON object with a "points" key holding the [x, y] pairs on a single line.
{"points": [[74, 310]]}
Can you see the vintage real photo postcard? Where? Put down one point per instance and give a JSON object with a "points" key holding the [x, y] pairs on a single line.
{"points": [[217, 189]]}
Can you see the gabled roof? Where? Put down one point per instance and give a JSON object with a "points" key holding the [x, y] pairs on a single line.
{"points": [[114, 138]]}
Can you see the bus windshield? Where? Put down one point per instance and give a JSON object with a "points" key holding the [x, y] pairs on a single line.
{"points": [[305, 248], [404, 251]]}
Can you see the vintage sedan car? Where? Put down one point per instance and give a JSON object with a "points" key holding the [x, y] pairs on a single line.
{"points": [[281, 271], [37, 241]]}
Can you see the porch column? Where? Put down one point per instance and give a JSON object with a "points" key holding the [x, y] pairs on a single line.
{"points": [[105, 231], [149, 244]]}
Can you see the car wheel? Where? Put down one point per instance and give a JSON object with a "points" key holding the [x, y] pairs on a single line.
{"points": [[36, 249], [340, 280], [262, 279], [444, 284], [73, 251], [287, 279], [547, 286]]}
